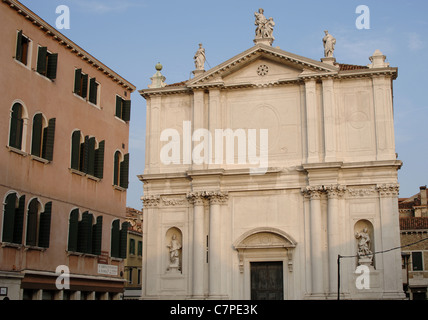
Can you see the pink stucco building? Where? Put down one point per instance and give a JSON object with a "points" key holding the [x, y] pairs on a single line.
{"points": [[64, 132]]}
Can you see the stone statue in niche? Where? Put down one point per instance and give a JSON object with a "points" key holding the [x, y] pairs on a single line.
{"points": [[365, 255], [329, 43], [174, 254]]}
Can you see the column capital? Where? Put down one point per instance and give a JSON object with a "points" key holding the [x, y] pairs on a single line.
{"points": [[313, 192], [335, 191], [218, 197], [198, 198], [388, 190], [151, 201]]}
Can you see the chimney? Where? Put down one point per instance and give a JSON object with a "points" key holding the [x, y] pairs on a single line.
{"points": [[424, 202]]}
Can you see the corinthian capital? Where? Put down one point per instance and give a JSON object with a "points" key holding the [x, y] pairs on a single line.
{"points": [[313, 192], [218, 197], [388, 190], [150, 201], [197, 198], [335, 191]]}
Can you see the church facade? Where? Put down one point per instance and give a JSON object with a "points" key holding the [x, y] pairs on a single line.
{"points": [[267, 173]]}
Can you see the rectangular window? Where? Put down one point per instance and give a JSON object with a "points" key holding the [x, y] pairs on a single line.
{"points": [[123, 109], [80, 83], [22, 48], [417, 261], [47, 63]]}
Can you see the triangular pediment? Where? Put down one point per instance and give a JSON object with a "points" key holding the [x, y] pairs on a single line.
{"points": [[261, 64]]}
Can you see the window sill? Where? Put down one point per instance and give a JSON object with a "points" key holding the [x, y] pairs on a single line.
{"points": [[22, 64], [44, 77], [81, 254], [42, 160], [94, 105], [93, 178], [79, 173], [34, 248], [119, 188], [18, 151], [11, 245], [120, 119]]}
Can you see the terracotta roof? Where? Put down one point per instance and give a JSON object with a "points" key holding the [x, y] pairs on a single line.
{"points": [[348, 67], [414, 223]]}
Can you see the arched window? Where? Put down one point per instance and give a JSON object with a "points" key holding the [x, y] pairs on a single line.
{"points": [[87, 155], [119, 238], [84, 236], [16, 126], [121, 170], [13, 218], [43, 137], [38, 224]]}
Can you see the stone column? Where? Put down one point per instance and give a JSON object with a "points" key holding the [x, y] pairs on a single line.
{"points": [[199, 121], [317, 272], [334, 193], [392, 275], [198, 200], [214, 123], [214, 243], [153, 135]]}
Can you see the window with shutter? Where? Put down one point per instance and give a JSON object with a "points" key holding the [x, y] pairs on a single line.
{"points": [[90, 167], [75, 150], [99, 160], [45, 226], [115, 239], [123, 240], [93, 91], [9, 217], [22, 46], [131, 246], [32, 222], [48, 145], [81, 83], [36, 143], [116, 169], [417, 261], [84, 238], [123, 109], [73, 230], [97, 236], [18, 225], [16, 126], [47, 63], [124, 172]]}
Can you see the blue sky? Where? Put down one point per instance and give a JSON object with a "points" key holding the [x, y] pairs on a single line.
{"points": [[131, 36]]}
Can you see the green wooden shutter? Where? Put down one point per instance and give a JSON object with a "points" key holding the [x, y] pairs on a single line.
{"points": [[99, 160], [73, 227], [9, 217], [78, 82], [50, 139], [16, 127], [32, 217], [18, 224], [93, 90], [91, 157], [52, 66], [118, 107], [131, 246], [75, 150], [41, 60], [84, 241], [126, 113], [84, 92], [97, 236], [140, 248], [85, 155], [18, 55], [124, 172], [115, 239], [37, 135], [45, 226], [123, 240], [116, 169]]}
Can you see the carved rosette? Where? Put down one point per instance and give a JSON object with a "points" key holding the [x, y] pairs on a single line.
{"points": [[388, 190], [151, 201]]}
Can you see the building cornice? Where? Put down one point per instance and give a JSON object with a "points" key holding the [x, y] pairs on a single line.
{"points": [[68, 44]]}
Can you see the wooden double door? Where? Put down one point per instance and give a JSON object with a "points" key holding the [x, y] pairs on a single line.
{"points": [[267, 281]]}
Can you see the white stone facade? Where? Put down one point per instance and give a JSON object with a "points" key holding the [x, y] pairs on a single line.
{"points": [[332, 171]]}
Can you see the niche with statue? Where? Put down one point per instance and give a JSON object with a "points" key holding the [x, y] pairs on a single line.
{"points": [[174, 242], [365, 243]]}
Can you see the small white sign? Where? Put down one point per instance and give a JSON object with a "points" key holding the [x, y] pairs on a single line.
{"points": [[108, 269]]}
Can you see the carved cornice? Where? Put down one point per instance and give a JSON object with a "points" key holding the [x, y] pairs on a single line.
{"points": [[151, 201]]}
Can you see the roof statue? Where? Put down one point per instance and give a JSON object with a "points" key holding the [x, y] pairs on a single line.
{"points": [[200, 59], [264, 28], [329, 43]]}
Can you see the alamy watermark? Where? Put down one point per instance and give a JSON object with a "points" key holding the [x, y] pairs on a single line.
{"points": [[63, 20], [215, 147], [363, 20], [63, 280]]}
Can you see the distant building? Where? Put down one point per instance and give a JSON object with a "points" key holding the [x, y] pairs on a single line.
{"points": [[414, 229], [64, 128], [133, 261]]}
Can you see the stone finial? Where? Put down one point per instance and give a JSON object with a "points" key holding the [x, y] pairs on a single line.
{"points": [[264, 28], [378, 60], [158, 80]]}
